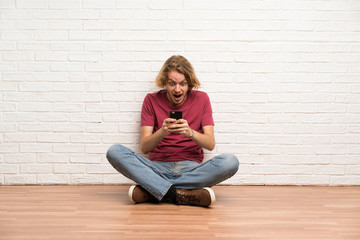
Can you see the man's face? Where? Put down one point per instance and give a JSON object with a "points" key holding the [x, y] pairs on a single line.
{"points": [[177, 88]]}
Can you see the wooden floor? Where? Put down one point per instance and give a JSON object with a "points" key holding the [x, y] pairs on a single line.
{"points": [[241, 212]]}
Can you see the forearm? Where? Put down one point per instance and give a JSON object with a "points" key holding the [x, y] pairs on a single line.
{"points": [[204, 140], [149, 143]]}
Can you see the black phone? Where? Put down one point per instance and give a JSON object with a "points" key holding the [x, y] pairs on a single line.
{"points": [[176, 114]]}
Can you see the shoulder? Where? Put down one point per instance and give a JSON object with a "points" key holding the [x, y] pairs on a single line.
{"points": [[199, 94], [154, 96]]}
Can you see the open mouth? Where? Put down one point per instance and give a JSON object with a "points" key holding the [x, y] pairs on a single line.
{"points": [[177, 95]]}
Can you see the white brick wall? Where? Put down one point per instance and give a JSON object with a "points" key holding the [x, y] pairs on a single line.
{"points": [[283, 77]]}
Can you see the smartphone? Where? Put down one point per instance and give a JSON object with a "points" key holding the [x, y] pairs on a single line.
{"points": [[176, 114]]}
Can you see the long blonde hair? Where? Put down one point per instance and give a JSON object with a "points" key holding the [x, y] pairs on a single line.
{"points": [[181, 65]]}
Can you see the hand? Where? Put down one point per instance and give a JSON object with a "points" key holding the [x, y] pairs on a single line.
{"points": [[179, 126], [165, 126]]}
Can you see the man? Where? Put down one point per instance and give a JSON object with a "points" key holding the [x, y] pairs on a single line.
{"points": [[175, 171]]}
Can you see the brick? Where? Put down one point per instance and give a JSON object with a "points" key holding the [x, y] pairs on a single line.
{"points": [[85, 117], [115, 57], [33, 66], [35, 107], [32, 4], [4, 67], [84, 77], [98, 25], [8, 169], [86, 179], [84, 158], [136, 4], [35, 148], [18, 56], [47, 14], [17, 35], [4, 4], [32, 25], [20, 179], [344, 180], [83, 14], [16, 13], [19, 117], [67, 67], [124, 97], [313, 180], [52, 117], [123, 138], [48, 35], [102, 127], [99, 46], [163, 4], [33, 46], [53, 179], [101, 67], [85, 138], [20, 158], [19, 137], [84, 57], [66, 46], [68, 148], [68, 87], [34, 127], [36, 168], [280, 179], [100, 169], [53, 158], [52, 138], [8, 107], [116, 14], [68, 127], [102, 87], [71, 169], [100, 107], [53, 97], [67, 4], [87, 97], [105, 4], [51, 56], [7, 45]]}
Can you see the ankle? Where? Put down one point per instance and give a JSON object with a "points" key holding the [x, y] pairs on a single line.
{"points": [[170, 196]]}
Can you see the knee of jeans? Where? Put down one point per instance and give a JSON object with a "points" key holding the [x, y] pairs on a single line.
{"points": [[114, 150], [231, 162]]}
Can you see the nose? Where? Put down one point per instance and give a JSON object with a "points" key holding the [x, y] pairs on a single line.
{"points": [[177, 88]]}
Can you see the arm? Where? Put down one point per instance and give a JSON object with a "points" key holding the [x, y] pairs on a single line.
{"points": [[206, 139], [150, 140]]}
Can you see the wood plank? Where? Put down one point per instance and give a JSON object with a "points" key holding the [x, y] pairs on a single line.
{"points": [[241, 212]]}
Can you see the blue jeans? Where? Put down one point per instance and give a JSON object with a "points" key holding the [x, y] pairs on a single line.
{"points": [[157, 176]]}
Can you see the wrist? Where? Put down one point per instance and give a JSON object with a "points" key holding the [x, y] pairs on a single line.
{"points": [[192, 134], [163, 132]]}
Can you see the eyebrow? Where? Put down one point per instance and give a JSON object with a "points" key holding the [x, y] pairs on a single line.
{"points": [[169, 79]]}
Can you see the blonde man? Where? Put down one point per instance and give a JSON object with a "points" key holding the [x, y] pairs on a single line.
{"points": [[175, 171]]}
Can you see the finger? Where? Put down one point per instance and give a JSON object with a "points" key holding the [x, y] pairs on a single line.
{"points": [[171, 120], [181, 121]]}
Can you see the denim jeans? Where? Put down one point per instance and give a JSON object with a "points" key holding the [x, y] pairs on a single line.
{"points": [[157, 176]]}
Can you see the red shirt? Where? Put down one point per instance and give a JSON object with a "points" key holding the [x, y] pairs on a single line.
{"points": [[175, 147]]}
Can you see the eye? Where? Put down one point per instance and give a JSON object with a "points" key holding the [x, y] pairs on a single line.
{"points": [[171, 84], [183, 84]]}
